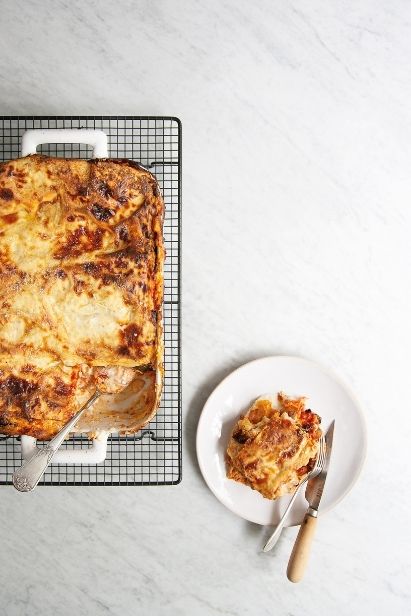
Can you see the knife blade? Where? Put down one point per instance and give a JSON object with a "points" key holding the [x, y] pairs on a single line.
{"points": [[315, 486], [313, 493]]}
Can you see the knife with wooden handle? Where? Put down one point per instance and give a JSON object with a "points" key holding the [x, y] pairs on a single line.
{"points": [[313, 493]]}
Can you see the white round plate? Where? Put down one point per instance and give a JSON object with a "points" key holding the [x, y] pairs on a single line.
{"points": [[326, 395]]}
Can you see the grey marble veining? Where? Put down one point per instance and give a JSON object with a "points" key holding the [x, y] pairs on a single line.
{"points": [[297, 183]]}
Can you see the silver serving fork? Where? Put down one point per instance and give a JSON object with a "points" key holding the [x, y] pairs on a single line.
{"points": [[319, 463]]}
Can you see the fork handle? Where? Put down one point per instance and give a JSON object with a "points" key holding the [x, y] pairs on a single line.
{"points": [[301, 550], [277, 532], [31, 471]]}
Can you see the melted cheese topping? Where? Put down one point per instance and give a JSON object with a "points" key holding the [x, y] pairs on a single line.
{"points": [[274, 446], [81, 261]]}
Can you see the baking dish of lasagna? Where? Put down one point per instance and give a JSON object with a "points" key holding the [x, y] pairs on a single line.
{"points": [[81, 268]]}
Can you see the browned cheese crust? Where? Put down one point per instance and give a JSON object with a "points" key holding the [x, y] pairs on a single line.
{"points": [[274, 446], [81, 283]]}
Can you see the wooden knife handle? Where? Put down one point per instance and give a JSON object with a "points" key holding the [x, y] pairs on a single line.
{"points": [[301, 550]]}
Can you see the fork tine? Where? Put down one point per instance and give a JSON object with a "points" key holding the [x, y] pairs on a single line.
{"points": [[319, 463], [323, 451]]}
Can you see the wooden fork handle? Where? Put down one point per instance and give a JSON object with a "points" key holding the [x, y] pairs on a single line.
{"points": [[301, 550]]}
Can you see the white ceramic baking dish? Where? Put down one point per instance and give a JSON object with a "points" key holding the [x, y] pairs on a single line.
{"points": [[98, 450]]}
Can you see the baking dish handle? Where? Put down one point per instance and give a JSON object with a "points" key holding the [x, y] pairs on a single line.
{"points": [[92, 455], [96, 138]]}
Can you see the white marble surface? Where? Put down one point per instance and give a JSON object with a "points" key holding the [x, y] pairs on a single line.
{"points": [[297, 218]]}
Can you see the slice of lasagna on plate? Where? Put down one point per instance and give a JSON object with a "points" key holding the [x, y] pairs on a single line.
{"points": [[274, 445]]}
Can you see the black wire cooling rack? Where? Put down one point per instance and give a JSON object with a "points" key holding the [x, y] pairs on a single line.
{"points": [[153, 455]]}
